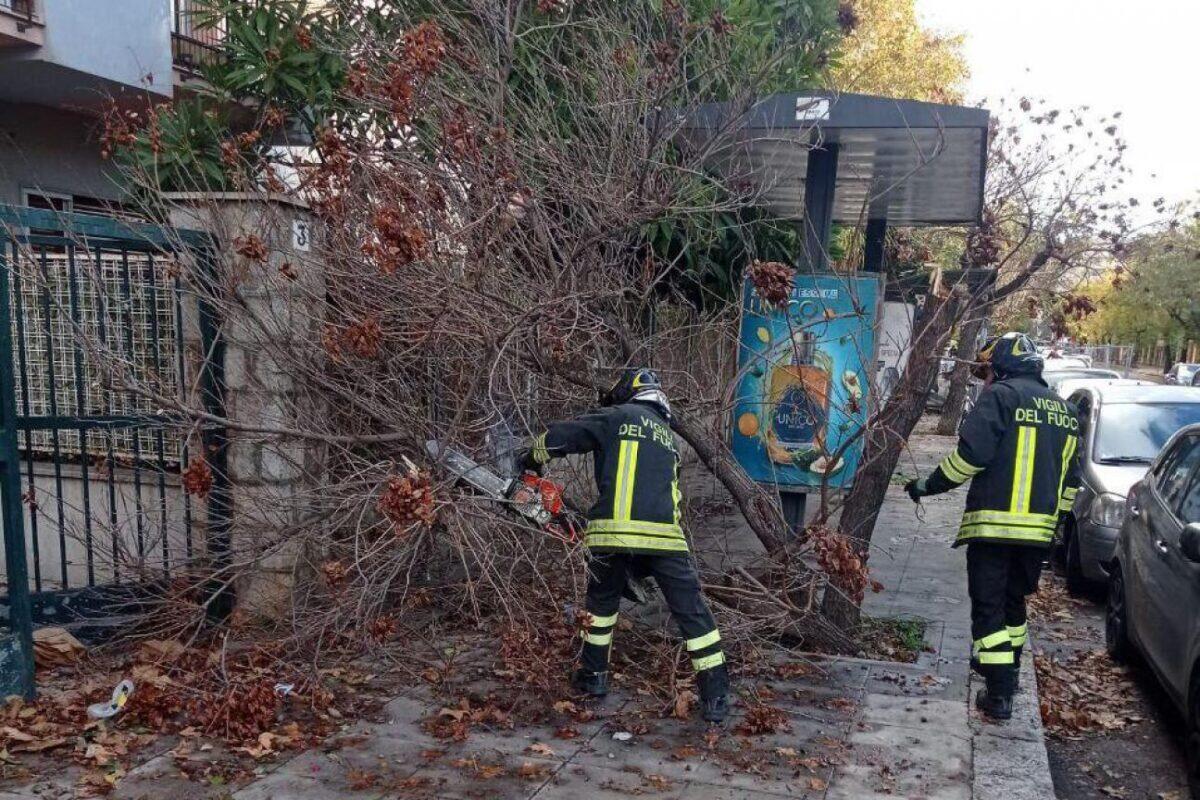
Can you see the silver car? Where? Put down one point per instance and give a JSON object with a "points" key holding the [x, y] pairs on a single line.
{"points": [[1122, 428], [1055, 378], [1181, 374], [1154, 584]]}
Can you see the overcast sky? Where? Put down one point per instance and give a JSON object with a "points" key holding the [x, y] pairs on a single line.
{"points": [[1114, 55]]}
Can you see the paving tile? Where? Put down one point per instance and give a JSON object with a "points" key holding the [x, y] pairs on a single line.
{"points": [[901, 761], [916, 712], [796, 789], [579, 781], [751, 763], [295, 787]]}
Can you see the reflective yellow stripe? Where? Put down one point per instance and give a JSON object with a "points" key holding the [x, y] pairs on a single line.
{"points": [[1005, 533], [597, 638], [1018, 634], [991, 640], [1028, 520], [701, 642], [632, 541], [540, 454], [1067, 495], [635, 526], [626, 472], [951, 471], [962, 465], [599, 621], [1023, 469], [957, 468], [676, 495], [708, 662], [996, 657], [1066, 504]]}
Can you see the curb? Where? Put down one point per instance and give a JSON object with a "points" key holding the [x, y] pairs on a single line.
{"points": [[1010, 760]]}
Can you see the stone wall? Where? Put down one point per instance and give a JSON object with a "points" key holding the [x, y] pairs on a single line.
{"points": [[272, 476]]}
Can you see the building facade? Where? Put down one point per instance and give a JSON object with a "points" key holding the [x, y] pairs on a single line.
{"points": [[61, 63]]}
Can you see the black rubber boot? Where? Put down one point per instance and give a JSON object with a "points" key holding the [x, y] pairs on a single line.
{"points": [[593, 684], [714, 693], [715, 709], [996, 706]]}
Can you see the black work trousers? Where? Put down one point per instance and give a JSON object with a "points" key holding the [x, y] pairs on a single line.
{"points": [[680, 585], [999, 578]]}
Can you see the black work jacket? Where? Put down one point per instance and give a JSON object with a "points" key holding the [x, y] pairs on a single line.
{"points": [[637, 475], [1019, 448]]}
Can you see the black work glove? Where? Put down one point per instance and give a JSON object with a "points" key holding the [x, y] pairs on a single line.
{"points": [[527, 463], [915, 489]]}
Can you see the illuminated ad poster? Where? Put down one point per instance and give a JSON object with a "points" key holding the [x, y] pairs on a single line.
{"points": [[799, 402]]}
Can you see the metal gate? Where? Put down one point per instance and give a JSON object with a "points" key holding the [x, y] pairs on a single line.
{"points": [[96, 512]]}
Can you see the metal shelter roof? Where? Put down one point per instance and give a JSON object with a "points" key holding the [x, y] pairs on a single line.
{"points": [[910, 162]]}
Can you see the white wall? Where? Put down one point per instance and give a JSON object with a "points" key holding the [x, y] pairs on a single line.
{"points": [[124, 41]]}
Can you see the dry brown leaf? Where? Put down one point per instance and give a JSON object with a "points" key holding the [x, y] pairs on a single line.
{"points": [[541, 749], [162, 649], [39, 745], [530, 771], [683, 704], [14, 735], [55, 647]]}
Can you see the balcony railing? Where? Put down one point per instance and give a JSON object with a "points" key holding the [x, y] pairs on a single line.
{"points": [[195, 41], [18, 8], [189, 54]]}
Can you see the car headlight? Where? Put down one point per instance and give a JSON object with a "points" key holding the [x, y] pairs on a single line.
{"points": [[1108, 510]]}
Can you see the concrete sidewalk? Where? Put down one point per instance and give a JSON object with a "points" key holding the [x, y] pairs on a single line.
{"points": [[925, 578], [853, 728]]}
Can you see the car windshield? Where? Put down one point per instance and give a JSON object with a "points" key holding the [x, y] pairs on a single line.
{"points": [[1132, 433]]}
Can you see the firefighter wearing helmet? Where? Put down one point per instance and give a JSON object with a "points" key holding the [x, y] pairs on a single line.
{"points": [[634, 529], [1018, 448]]}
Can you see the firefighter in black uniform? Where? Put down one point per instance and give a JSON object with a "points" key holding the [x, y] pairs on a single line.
{"points": [[634, 529], [1018, 447]]}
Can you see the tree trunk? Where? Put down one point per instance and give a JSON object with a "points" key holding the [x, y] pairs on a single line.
{"points": [[956, 396], [885, 439], [759, 506]]}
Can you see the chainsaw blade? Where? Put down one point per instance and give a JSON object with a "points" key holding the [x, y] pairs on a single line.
{"points": [[477, 475]]}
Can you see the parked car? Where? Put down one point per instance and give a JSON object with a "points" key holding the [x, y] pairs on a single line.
{"points": [[1055, 377], [1122, 429], [1070, 386], [1056, 363], [1154, 585], [1182, 374]]}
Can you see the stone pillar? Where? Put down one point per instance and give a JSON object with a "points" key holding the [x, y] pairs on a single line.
{"points": [[276, 310]]}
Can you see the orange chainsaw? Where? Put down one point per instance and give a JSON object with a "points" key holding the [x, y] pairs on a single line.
{"points": [[535, 498]]}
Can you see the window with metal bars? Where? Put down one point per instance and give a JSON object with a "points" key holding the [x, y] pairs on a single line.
{"points": [[124, 302]]}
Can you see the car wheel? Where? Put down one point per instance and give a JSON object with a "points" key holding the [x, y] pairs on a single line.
{"points": [[1116, 619], [1077, 584]]}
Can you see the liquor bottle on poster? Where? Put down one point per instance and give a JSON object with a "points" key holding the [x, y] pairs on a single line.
{"points": [[798, 403]]}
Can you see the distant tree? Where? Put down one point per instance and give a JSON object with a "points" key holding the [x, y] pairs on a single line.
{"points": [[886, 51], [1140, 301]]}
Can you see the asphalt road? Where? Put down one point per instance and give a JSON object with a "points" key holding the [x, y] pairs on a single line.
{"points": [[1143, 759]]}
